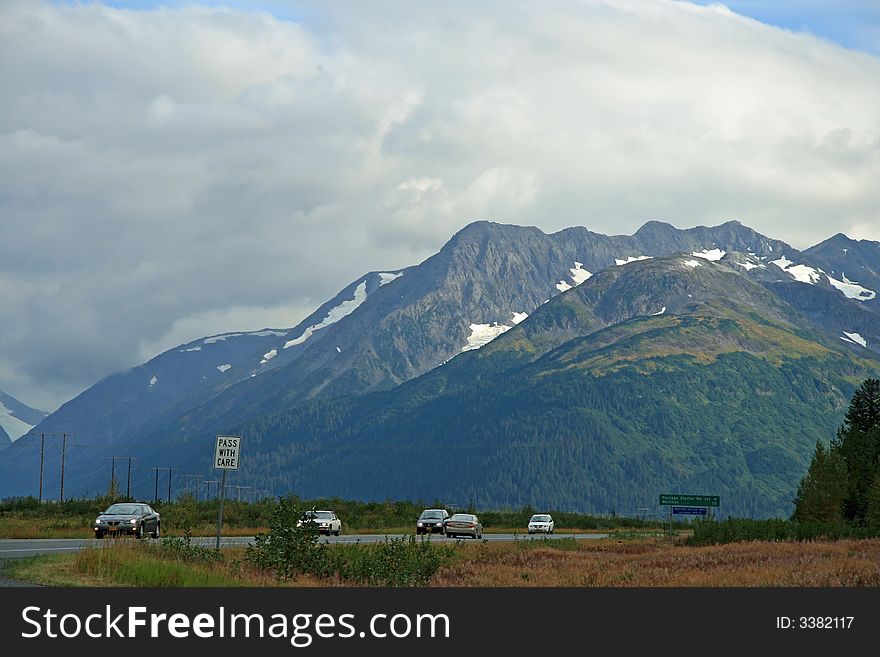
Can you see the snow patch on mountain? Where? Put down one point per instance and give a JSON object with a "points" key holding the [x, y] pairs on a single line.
{"points": [[385, 278], [269, 355], [630, 259], [805, 274], [342, 310], [852, 289], [225, 367], [197, 348], [153, 381], [225, 336], [801, 273], [693, 263], [782, 262], [482, 334], [14, 427], [749, 266], [710, 254], [578, 275], [659, 312], [856, 338]]}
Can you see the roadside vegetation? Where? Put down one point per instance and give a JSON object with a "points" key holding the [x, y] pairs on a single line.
{"points": [[525, 562]]}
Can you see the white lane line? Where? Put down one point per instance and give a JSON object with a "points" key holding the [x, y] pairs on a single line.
{"points": [[56, 549]]}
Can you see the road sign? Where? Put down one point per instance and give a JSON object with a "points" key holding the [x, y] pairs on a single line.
{"points": [[689, 510], [226, 455], [690, 500]]}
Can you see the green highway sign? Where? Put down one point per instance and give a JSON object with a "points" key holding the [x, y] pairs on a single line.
{"points": [[690, 500]]}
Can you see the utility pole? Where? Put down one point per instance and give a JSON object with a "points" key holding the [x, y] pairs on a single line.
{"points": [[42, 451], [115, 488], [208, 483], [128, 486], [43, 458], [169, 483], [156, 493], [186, 479], [63, 452], [112, 489]]}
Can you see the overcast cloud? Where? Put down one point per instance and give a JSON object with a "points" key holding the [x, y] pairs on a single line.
{"points": [[171, 173]]}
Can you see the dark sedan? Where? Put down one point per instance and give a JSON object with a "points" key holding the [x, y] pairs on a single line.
{"points": [[431, 521], [126, 518]]}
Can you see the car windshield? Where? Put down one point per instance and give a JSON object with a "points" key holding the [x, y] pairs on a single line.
{"points": [[432, 515], [540, 518], [318, 515], [123, 509], [463, 516]]}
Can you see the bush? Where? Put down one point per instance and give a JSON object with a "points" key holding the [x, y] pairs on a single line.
{"points": [[404, 561], [182, 549], [286, 549], [708, 532]]}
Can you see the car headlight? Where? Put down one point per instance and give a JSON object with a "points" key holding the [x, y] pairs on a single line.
{"points": [[97, 520], [419, 524], [133, 521]]}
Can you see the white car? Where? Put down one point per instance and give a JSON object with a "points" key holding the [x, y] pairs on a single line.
{"points": [[541, 523], [325, 522]]}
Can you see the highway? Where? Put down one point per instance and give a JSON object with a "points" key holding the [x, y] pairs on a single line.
{"points": [[28, 547]]}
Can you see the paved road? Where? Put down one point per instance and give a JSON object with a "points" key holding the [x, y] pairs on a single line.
{"points": [[27, 547]]}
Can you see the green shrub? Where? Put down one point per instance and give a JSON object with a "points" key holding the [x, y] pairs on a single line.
{"points": [[183, 549], [288, 550], [404, 561], [709, 532]]}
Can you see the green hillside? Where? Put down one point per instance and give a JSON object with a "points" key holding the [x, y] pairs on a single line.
{"points": [[574, 410]]}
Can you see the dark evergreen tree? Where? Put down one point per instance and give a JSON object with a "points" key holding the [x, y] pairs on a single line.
{"points": [[858, 443], [822, 491], [872, 514], [864, 409]]}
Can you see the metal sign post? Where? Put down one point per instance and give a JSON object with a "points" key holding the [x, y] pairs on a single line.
{"points": [[226, 457]]}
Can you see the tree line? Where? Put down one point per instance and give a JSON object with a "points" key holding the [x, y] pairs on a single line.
{"points": [[843, 480]]}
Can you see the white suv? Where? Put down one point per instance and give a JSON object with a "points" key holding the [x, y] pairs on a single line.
{"points": [[541, 523], [326, 522]]}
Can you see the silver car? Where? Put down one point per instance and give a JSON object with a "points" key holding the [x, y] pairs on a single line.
{"points": [[541, 523], [464, 524]]}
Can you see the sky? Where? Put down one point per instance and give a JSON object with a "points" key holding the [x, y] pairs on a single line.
{"points": [[174, 170]]}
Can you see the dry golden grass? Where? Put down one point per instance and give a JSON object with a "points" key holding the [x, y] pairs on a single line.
{"points": [[657, 563], [653, 562]]}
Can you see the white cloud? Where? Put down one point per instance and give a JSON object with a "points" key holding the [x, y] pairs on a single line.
{"points": [[163, 170]]}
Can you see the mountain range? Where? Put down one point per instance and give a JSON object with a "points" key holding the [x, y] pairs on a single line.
{"points": [[566, 370], [16, 419]]}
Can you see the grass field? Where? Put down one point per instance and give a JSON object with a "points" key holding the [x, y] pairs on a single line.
{"points": [[615, 562]]}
